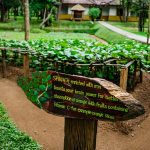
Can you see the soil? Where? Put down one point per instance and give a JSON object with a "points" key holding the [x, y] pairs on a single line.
{"points": [[48, 129], [98, 39]]}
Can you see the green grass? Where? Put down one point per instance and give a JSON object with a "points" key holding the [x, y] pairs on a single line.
{"points": [[11, 138], [60, 30], [131, 27], [14, 30], [11, 24], [73, 24], [108, 35], [11, 35]]}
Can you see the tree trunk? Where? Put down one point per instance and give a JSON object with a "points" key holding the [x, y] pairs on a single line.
{"points": [[58, 12], [140, 24], [26, 19], [3, 14], [80, 134], [45, 20], [148, 33], [124, 14], [127, 15], [15, 13]]}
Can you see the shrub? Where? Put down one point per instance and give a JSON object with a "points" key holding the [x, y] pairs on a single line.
{"points": [[94, 13]]}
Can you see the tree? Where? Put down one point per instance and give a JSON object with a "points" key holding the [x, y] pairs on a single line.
{"points": [[5, 6], [46, 9], [148, 33], [141, 8], [126, 6], [26, 19], [94, 13]]}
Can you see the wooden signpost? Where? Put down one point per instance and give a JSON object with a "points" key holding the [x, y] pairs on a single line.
{"points": [[83, 101]]}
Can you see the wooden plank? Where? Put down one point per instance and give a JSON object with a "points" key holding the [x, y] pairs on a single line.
{"points": [[26, 64], [128, 64], [123, 78], [4, 72], [109, 61], [80, 134]]}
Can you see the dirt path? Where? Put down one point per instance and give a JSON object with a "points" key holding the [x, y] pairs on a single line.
{"points": [[45, 128], [48, 129], [98, 39]]}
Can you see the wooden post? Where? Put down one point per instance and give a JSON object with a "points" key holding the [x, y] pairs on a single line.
{"points": [[80, 134], [141, 73], [123, 85], [123, 78], [134, 75], [148, 34], [26, 64], [4, 63]]}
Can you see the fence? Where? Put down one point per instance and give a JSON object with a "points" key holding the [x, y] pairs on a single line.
{"points": [[125, 73]]}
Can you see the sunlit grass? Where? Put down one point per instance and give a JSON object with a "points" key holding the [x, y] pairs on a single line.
{"points": [[51, 35], [131, 27]]}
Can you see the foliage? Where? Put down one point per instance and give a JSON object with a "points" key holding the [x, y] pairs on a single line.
{"points": [[11, 138], [141, 8], [5, 5], [79, 51], [94, 13], [57, 54], [45, 9], [72, 30], [36, 87], [10, 3]]}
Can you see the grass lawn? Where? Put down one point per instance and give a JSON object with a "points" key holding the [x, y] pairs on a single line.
{"points": [[12, 138], [59, 30], [51, 35], [108, 35], [130, 26], [14, 30]]}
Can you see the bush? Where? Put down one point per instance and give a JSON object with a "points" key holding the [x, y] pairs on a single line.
{"points": [[36, 30], [11, 138], [72, 30], [94, 13]]}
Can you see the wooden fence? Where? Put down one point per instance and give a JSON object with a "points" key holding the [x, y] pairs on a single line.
{"points": [[60, 65]]}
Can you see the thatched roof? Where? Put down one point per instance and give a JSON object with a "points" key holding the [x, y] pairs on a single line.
{"points": [[94, 2], [78, 7]]}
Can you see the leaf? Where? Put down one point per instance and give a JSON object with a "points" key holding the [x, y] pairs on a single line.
{"points": [[43, 99], [42, 87]]}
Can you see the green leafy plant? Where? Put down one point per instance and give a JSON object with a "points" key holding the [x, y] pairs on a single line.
{"points": [[94, 13], [37, 87], [12, 138], [44, 52]]}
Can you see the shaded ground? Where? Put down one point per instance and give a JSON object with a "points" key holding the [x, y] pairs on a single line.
{"points": [[48, 129]]}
